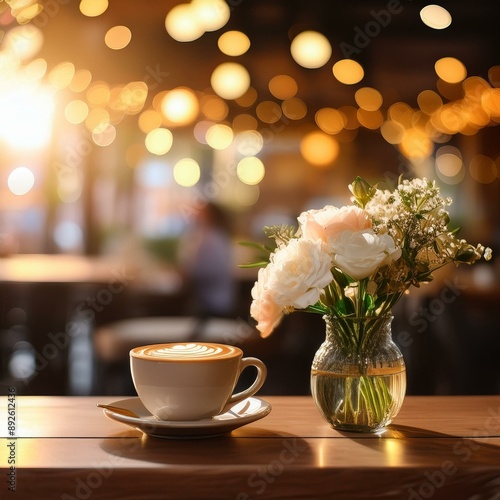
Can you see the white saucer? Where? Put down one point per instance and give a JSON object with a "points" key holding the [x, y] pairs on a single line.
{"points": [[248, 410]]}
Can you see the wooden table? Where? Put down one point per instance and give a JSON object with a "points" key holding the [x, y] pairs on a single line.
{"points": [[438, 447]]}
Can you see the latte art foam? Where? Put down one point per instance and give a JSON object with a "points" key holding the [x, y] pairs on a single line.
{"points": [[191, 351]]}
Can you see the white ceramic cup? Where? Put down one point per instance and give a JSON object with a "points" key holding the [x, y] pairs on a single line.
{"points": [[191, 380]]}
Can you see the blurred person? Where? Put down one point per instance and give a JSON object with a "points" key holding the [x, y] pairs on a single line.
{"points": [[205, 257]]}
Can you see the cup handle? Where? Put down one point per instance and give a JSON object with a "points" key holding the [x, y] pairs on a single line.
{"points": [[257, 384]]}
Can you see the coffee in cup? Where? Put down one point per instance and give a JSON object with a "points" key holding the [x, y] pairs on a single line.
{"points": [[187, 381]]}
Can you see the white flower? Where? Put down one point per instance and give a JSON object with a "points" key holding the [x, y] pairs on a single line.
{"points": [[294, 278], [359, 254], [328, 222], [299, 272], [263, 309]]}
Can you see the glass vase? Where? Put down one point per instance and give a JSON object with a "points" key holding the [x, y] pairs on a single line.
{"points": [[358, 375]]}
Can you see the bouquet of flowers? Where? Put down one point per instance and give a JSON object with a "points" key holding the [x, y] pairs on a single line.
{"points": [[358, 260]]}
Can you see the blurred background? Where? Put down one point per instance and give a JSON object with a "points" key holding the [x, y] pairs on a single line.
{"points": [[141, 141]]}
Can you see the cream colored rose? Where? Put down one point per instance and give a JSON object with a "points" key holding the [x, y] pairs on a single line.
{"points": [[360, 253], [263, 309], [327, 223], [299, 272]]}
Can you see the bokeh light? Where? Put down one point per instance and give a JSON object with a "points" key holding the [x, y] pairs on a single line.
{"points": [[187, 172], [27, 114], [180, 106], [435, 17], [368, 98], [283, 87], [249, 142], [250, 170], [230, 80], [450, 69], [76, 111], [268, 111], [348, 71], [233, 43], [330, 120], [311, 49], [159, 141], [21, 180], [211, 15], [294, 108], [319, 149], [118, 37], [219, 136], [182, 24], [93, 8]]}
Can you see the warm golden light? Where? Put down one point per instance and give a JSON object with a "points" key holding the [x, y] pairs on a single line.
{"points": [[98, 94], [247, 99], [62, 75], [268, 111], [81, 80], [23, 41], [294, 108], [368, 98], [230, 80], [97, 117], [214, 108], [348, 71], [283, 87], [450, 70], [490, 101], [76, 111], [449, 161], [28, 13], [187, 172], [149, 120], [483, 169], [330, 120], [435, 17], [159, 141], [36, 69], [494, 76], [393, 132], [21, 180], [250, 170], [402, 113], [249, 142], [104, 134], [429, 101], [370, 119], [180, 106], [200, 130], [26, 114], [211, 15], [118, 37], [245, 122], [182, 24], [93, 8], [233, 43], [416, 145], [311, 49], [319, 149], [219, 136], [351, 117]]}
